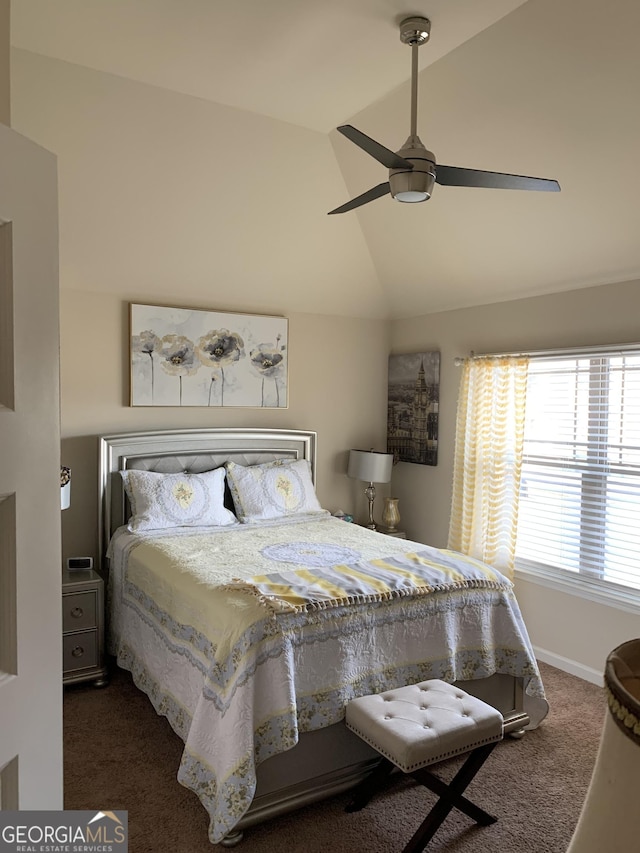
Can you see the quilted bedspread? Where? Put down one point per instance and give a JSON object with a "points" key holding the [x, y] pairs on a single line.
{"points": [[247, 635]]}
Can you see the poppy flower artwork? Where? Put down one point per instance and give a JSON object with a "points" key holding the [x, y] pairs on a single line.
{"points": [[193, 357]]}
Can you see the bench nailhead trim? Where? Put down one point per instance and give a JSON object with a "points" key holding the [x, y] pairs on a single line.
{"points": [[432, 759]]}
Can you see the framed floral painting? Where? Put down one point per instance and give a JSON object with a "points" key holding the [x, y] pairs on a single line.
{"points": [[189, 357]]}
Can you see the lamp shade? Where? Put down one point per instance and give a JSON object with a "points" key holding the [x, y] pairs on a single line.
{"points": [[370, 466], [610, 818]]}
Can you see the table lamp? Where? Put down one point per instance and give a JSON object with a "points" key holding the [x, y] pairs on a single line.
{"points": [[371, 467]]}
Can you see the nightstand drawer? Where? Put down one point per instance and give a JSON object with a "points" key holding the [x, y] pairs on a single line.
{"points": [[80, 650], [79, 610]]}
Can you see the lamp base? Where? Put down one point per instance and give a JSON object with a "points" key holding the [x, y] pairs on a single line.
{"points": [[370, 492]]}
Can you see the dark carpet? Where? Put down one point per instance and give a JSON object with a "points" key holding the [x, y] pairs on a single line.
{"points": [[118, 754]]}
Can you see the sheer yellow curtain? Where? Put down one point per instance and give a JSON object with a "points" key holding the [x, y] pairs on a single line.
{"points": [[488, 459]]}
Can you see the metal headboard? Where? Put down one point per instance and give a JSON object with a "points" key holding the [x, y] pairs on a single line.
{"points": [[189, 451]]}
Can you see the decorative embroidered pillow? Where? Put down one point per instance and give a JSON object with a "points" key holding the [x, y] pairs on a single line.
{"points": [[273, 490], [160, 501]]}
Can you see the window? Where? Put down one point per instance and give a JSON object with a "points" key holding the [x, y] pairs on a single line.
{"points": [[579, 509]]}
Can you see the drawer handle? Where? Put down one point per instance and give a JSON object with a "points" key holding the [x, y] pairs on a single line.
{"points": [[77, 612], [77, 652]]}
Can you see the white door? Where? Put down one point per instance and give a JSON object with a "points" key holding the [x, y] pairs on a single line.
{"points": [[30, 561]]}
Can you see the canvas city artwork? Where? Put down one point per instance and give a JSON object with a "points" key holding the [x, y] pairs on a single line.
{"points": [[412, 413]]}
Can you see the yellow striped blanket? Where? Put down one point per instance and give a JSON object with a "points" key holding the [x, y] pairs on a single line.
{"points": [[413, 573]]}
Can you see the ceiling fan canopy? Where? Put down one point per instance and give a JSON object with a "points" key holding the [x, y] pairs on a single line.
{"points": [[412, 169]]}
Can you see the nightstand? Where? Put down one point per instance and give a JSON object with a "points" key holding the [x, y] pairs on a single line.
{"points": [[83, 628], [399, 534]]}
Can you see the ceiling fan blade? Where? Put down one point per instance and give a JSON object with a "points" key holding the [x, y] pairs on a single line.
{"points": [[358, 201], [453, 176], [383, 155]]}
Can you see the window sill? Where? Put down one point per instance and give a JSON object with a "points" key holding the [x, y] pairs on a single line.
{"points": [[581, 587]]}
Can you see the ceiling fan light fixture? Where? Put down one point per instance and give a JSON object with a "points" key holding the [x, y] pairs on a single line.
{"points": [[415, 185], [411, 196]]}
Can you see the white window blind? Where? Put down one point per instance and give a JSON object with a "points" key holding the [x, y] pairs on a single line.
{"points": [[579, 509]]}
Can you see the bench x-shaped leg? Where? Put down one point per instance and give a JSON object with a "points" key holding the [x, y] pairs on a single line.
{"points": [[366, 789], [450, 797]]}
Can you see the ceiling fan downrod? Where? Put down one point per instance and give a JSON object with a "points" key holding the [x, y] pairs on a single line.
{"points": [[414, 32]]}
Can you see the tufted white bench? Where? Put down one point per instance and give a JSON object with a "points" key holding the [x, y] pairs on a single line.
{"points": [[422, 724]]}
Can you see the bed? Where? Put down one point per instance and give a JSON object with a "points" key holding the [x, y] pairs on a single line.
{"points": [[251, 636]]}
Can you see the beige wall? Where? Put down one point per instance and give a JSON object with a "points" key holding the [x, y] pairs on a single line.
{"points": [[562, 627], [174, 197], [172, 200], [337, 386], [5, 54]]}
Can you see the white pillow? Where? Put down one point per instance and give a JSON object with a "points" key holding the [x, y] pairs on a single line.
{"points": [[277, 489], [160, 501]]}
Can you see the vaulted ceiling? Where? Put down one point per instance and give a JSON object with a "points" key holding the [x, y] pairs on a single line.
{"points": [[535, 88]]}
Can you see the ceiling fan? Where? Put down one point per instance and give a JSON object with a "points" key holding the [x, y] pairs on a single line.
{"points": [[413, 169]]}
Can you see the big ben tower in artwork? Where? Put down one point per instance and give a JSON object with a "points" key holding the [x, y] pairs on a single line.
{"points": [[419, 420]]}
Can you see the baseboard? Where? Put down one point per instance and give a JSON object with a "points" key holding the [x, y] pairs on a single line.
{"points": [[587, 673]]}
